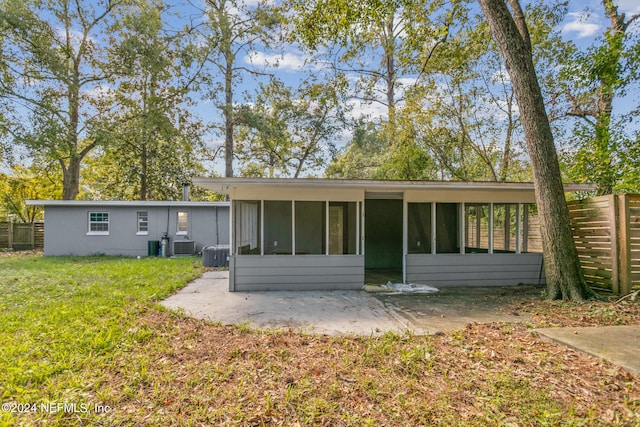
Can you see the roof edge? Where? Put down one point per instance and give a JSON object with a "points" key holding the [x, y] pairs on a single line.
{"points": [[149, 203], [222, 184]]}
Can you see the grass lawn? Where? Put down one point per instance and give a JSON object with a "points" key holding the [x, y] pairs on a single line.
{"points": [[87, 333]]}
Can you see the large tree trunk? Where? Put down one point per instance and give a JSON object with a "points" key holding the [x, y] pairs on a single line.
{"points": [[562, 266], [228, 121], [143, 172], [71, 179]]}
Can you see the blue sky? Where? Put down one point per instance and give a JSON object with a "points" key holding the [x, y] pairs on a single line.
{"points": [[584, 22]]}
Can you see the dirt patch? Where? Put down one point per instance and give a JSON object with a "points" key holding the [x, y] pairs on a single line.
{"points": [[483, 374], [452, 308], [4, 253]]}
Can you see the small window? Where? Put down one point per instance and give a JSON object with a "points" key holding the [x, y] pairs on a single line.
{"points": [[98, 223], [143, 223], [183, 223]]}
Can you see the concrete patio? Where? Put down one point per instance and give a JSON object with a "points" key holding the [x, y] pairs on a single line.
{"points": [[361, 313], [346, 312]]}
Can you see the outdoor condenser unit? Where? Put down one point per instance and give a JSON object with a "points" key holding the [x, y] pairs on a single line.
{"points": [[184, 247]]}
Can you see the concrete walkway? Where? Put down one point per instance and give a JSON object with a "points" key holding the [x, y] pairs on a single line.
{"points": [[619, 345], [323, 312], [341, 312], [360, 313]]}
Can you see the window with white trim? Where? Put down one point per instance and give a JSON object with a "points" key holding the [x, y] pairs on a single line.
{"points": [[143, 223], [98, 223], [183, 223]]}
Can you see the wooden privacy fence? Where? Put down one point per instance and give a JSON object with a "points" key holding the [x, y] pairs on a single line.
{"points": [[607, 234], [21, 236]]}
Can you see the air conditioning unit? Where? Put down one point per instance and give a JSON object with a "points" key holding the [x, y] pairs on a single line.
{"points": [[184, 247]]}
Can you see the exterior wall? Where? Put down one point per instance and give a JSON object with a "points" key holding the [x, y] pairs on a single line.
{"points": [[295, 272], [475, 269], [66, 228], [470, 196]]}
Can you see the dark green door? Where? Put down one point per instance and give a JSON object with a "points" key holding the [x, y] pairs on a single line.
{"points": [[383, 233]]}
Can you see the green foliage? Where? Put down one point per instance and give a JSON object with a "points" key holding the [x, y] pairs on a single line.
{"points": [[56, 54], [25, 184], [235, 29], [591, 80], [361, 157], [288, 132], [157, 143]]}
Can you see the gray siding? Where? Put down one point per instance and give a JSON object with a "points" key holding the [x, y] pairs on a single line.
{"points": [[299, 272], [66, 229], [474, 269]]}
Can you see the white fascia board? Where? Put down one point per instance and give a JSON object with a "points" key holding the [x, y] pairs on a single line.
{"points": [[119, 203], [222, 185]]}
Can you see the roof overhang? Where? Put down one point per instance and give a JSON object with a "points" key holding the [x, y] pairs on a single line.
{"points": [[223, 185], [123, 203]]}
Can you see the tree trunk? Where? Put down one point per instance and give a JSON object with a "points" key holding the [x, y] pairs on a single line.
{"points": [[562, 266], [71, 179], [143, 172], [609, 76], [228, 120]]}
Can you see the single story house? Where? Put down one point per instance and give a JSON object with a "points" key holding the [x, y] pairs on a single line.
{"points": [[304, 234], [132, 228]]}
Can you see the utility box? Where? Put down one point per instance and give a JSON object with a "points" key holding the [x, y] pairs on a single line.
{"points": [[215, 256], [153, 247]]}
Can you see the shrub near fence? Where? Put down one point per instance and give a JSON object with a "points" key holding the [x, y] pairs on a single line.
{"points": [[20, 236], [607, 235]]}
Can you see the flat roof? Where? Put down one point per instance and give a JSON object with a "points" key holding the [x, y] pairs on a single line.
{"points": [[117, 203], [222, 185]]}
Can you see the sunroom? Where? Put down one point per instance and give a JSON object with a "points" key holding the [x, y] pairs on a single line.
{"points": [[310, 234]]}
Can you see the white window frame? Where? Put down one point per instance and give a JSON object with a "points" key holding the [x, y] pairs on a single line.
{"points": [[91, 222], [179, 231], [139, 220]]}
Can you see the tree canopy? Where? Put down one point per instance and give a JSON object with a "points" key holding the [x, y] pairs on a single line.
{"points": [[123, 99]]}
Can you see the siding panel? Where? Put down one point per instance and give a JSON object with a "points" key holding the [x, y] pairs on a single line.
{"points": [[308, 272], [474, 269]]}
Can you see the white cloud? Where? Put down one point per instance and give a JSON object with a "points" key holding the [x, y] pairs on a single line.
{"points": [[581, 23], [629, 6], [291, 61], [372, 110], [98, 91]]}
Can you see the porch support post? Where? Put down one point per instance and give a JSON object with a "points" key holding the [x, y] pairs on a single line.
{"points": [[518, 228], [463, 232], [261, 227], [507, 227], [326, 227], [358, 228], [433, 228], [232, 214], [478, 225], [293, 227], [525, 228], [405, 238], [490, 230]]}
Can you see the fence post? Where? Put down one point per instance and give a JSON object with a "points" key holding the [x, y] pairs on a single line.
{"points": [[613, 227], [32, 235], [10, 235], [624, 244]]}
